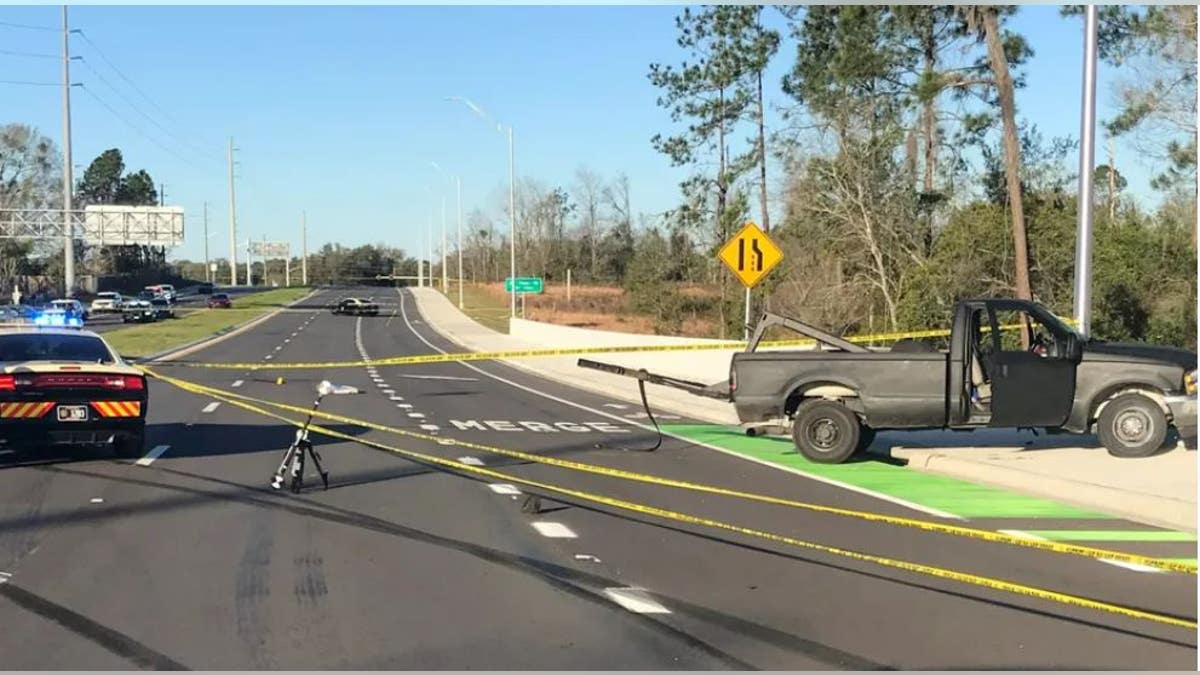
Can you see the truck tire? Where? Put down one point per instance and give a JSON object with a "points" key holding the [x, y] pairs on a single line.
{"points": [[1132, 425], [826, 432]]}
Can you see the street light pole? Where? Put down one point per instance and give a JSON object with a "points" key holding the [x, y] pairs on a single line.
{"points": [[512, 224], [303, 248], [1087, 164], [233, 281], [206, 274], [445, 288], [458, 181], [68, 180]]}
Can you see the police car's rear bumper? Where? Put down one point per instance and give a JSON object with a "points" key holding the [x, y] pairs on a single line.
{"points": [[37, 433]]}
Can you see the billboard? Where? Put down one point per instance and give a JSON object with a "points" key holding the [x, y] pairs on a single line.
{"points": [[270, 249]]}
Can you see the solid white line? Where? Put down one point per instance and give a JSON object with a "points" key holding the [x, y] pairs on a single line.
{"points": [[820, 479], [618, 406], [1132, 566], [504, 489], [237, 383], [153, 455], [1022, 534], [553, 530], [211, 407], [636, 600], [473, 461], [450, 378]]}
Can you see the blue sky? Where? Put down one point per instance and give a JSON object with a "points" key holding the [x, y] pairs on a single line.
{"points": [[339, 111]]}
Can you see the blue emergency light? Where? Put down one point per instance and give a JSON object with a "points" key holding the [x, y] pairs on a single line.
{"points": [[57, 320]]}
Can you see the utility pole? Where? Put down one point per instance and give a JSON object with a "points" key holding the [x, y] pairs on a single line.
{"points": [[232, 222], [304, 248], [162, 194], [68, 179], [445, 288], [207, 276], [249, 276], [1087, 168], [458, 181], [512, 223], [429, 242]]}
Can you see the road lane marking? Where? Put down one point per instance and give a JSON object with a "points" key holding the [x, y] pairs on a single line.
{"points": [[405, 406], [587, 556], [388, 392], [417, 415], [473, 461], [618, 406], [237, 383], [820, 479], [429, 427], [277, 348], [636, 600], [153, 455], [97, 500], [1112, 535], [1132, 566], [211, 407], [396, 398], [553, 530], [269, 357], [504, 489], [448, 378]]}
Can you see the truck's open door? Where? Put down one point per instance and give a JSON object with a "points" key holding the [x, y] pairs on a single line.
{"points": [[1029, 388]]}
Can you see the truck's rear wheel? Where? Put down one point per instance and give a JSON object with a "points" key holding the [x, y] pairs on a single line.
{"points": [[1132, 425], [826, 432]]}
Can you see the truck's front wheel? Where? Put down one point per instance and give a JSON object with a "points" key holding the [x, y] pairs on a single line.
{"points": [[826, 432], [1132, 425]]}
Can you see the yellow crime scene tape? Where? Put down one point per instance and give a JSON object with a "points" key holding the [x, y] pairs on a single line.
{"points": [[423, 359], [928, 526], [918, 568]]}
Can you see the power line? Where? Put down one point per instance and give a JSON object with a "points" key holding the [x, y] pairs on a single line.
{"points": [[133, 126], [144, 95], [26, 26], [31, 84], [31, 55], [133, 105]]}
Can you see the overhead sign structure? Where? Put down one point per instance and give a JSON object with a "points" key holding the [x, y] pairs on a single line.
{"points": [[270, 249], [104, 225], [524, 285], [750, 255]]}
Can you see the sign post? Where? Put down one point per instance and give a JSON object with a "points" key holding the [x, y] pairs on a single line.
{"points": [[750, 255]]}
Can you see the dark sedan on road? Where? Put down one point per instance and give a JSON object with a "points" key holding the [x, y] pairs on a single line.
{"points": [[356, 307], [162, 309], [220, 301]]}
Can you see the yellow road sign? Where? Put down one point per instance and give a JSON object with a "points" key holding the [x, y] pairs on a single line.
{"points": [[750, 255]]}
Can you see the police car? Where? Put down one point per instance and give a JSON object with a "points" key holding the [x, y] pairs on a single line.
{"points": [[356, 307], [61, 385]]}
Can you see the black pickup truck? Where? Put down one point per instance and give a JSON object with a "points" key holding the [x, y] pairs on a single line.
{"points": [[1006, 363]]}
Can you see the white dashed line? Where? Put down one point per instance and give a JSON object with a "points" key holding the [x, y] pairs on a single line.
{"points": [[618, 406], [553, 530], [587, 556], [278, 348], [473, 461], [636, 600], [388, 392], [97, 500], [396, 398], [429, 427], [445, 441], [269, 357], [237, 383], [211, 407], [153, 455], [406, 406], [504, 489], [415, 415]]}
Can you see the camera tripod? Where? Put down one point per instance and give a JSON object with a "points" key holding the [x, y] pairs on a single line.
{"points": [[293, 459]]}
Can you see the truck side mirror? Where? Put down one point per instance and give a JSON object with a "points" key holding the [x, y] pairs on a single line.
{"points": [[1074, 347]]}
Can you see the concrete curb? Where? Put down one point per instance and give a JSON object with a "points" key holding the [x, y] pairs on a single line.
{"points": [[589, 383], [1141, 507], [209, 340]]}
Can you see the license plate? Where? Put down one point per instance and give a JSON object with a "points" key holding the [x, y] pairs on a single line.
{"points": [[72, 413]]}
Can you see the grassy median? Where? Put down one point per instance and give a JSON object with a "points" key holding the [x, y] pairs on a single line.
{"points": [[151, 338], [482, 306]]}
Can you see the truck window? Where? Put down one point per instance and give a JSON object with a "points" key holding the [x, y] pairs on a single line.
{"points": [[1021, 331]]}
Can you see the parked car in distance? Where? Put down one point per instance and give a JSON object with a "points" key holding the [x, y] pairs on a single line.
{"points": [[164, 291], [107, 302], [137, 311], [220, 301], [71, 307], [356, 307], [162, 309]]}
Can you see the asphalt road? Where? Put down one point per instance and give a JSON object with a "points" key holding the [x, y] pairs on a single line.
{"points": [[190, 560], [102, 323]]}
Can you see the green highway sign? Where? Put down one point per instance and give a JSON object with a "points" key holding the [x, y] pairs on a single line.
{"points": [[524, 285]]}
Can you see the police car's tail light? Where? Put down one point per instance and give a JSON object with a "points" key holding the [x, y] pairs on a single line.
{"points": [[8, 383], [117, 382]]}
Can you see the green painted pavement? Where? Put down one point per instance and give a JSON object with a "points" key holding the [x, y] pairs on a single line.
{"points": [[1111, 535], [957, 497]]}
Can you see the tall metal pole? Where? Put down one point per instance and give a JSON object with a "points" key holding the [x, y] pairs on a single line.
{"points": [[458, 180], [68, 179], [207, 277], [1087, 164], [512, 223], [445, 288], [429, 241], [249, 275], [303, 248], [232, 222], [287, 267]]}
